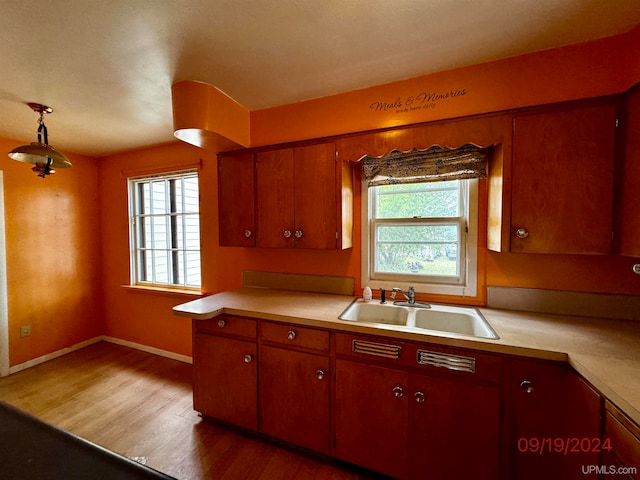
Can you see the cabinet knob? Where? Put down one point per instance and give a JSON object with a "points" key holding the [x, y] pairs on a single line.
{"points": [[419, 396], [319, 374], [522, 233], [287, 233], [398, 392], [221, 323], [527, 386], [248, 358], [291, 334], [247, 233], [298, 233]]}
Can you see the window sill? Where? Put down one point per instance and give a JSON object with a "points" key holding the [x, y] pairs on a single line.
{"points": [[164, 291]]}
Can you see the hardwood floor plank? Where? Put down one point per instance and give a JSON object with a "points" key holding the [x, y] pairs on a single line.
{"points": [[140, 405]]}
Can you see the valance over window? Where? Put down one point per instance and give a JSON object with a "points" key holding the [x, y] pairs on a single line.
{"points": [[431, 165]]}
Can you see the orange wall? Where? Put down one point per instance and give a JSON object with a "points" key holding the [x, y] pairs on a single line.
{"points": [[67, 236], [580, 71], [135, 315], [53, 255]]}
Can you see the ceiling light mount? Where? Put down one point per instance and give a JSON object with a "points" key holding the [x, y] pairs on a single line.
{"points": [[40, 153]]}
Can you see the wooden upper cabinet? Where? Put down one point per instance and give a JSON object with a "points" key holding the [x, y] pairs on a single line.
{"points": [[274, 196], [629, 219], [303, 198], [562, 180], [236, 201]]}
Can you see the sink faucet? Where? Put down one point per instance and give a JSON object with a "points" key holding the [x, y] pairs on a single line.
{"points": [[410, 295]]}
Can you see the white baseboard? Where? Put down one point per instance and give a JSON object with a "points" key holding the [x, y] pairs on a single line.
{"points": [[86, 343], [145, 348], [52, 355]]}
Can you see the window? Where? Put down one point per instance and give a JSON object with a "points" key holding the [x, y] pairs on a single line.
{"points": [[165, 230], [419, 217]]}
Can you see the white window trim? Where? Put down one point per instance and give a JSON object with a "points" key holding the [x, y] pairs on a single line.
{"points": [[468, 288], [133, 260]]}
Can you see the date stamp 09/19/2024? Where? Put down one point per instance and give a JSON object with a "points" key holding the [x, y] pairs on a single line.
{"points": [[574, 445]]}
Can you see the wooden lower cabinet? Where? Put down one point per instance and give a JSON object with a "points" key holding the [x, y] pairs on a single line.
{"points": [[405, 418], [556, 422], [413, 426], [294, 397], [621, 445], [372, 417], [454, 429], [226, 379]]}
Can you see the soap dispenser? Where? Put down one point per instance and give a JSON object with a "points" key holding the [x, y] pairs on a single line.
{"points": [[367, 295]]}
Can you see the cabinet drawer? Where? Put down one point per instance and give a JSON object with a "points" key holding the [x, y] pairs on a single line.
{"points": [[294, 335], [228, 325]]}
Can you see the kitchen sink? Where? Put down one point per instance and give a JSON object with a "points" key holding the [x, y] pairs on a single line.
{"points": [[439, 319], [385, 313], [460, 320]]}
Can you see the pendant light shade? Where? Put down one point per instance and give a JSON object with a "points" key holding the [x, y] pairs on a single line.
{"points": [[43, 156]]}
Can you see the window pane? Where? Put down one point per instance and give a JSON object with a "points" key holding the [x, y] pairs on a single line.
{"points": [[417, 249], [159, 197], [193, 269], [167, 230], [189, 191], [421, 200]]}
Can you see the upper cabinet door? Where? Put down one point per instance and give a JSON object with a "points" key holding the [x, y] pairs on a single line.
{"points": [[629, 219], [562, 180], [236, 201], [274, 198], [315, 196]]}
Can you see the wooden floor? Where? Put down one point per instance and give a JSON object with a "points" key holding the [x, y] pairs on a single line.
{"points": [[139, 405]]}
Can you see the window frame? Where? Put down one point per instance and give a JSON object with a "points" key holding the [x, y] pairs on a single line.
{"points": [[136, 252], [464, 285]]}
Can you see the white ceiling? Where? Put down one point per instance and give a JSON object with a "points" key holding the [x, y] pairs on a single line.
{"points": [[106, 66]]}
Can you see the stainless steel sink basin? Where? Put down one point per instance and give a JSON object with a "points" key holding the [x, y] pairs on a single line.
{"points": [[439, 319]]}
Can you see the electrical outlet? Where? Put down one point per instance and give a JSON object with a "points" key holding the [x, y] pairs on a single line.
{"points": [[25, 330]]}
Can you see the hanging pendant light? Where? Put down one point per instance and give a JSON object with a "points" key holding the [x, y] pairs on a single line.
{"points": [[44, 156]]}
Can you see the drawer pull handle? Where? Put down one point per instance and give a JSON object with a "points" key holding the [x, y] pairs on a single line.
{"points": [[221, 323], [398, 392], [248, 358], [419, 396], [319, 374], [247, 233], [291, 335]]}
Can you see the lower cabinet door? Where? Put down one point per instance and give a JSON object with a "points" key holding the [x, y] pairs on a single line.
{"points": [[556, 422], [226, 379], [294, 397], [454, 429], [372, 417]]}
